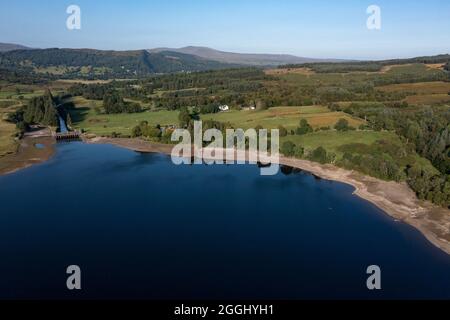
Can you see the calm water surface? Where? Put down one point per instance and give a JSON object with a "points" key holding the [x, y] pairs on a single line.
{"points": [[140, 227]]}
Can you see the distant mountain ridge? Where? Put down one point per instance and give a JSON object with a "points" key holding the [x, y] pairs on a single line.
{"points": [[250, 59], [189, 58], [5, 47], [108, 63]]}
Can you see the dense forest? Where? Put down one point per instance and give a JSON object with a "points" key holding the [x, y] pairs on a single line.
{"points": [[114, 103], [252, 87], [206, 90], [426, 130]]}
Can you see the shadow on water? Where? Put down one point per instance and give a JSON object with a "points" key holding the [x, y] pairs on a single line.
{"points": [[288, 170]]}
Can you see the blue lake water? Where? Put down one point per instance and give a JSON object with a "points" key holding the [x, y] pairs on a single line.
{"points": [[140, 227]]}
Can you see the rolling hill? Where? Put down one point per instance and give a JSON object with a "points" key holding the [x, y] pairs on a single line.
{"points": [[5, 47], [90, 62], [242, 58]]}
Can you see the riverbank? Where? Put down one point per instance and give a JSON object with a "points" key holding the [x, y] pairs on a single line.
{"points": [[35, 147], [395, 199]]}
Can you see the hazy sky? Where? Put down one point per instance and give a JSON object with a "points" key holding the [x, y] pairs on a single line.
{"points": [[321, 29]]}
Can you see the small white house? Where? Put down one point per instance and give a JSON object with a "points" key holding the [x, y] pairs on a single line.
{"points": [[224, 108]]}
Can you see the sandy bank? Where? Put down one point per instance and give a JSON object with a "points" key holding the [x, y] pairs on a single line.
{"points": [[396, 199], [28, 154]]}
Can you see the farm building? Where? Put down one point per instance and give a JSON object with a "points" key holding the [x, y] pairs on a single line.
{"points": [[224, 107]]}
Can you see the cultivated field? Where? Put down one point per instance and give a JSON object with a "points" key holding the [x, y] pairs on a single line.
{"points": [[86, 117], [421, 93], [428, 99], [393, 73], [289, 117], [435, 87]]}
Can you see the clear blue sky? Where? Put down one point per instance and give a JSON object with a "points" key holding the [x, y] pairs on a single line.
{"points": [[322, 29]]}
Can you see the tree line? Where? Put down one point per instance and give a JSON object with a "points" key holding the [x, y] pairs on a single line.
{"points": [[39, 110]]}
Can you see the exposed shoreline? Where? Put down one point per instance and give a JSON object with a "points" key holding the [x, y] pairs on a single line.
{"points": [[395, 199], [27, 153]]}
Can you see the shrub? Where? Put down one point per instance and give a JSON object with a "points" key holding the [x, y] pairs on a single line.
{"points": [[299, 151], [319, 155], [288, 148], [342, 125], [114, 103], [210, 108], [304, 127], [136, 132], [283, 131]]}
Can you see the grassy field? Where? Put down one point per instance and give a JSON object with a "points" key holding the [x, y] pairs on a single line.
{"points": [[9, 102], [104, 124], [7, 142], [26, 92], [332, 140], [85, 117], [7, 131], [289, 117]]}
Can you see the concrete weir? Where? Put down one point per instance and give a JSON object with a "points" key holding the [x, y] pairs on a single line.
{"points": [[71, 135]]}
